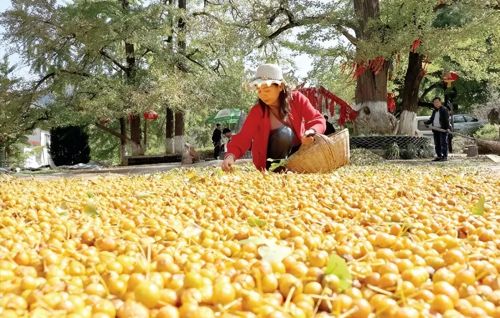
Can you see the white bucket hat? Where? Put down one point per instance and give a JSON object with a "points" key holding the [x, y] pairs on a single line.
{"points": [[267, 74]]}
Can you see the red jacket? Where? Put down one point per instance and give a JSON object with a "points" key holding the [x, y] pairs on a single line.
{"points": [[255, 130]]}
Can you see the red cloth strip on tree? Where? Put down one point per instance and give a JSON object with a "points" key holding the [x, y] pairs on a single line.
{"points": [[317, 95]]}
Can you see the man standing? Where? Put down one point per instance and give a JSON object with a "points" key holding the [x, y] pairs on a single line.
{"points": [[216, 140], [440, 119]]}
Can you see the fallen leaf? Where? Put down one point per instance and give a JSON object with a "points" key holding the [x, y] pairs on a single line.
{"points": [[274, 253], [337, 266], [478, 208], [255, 221]]}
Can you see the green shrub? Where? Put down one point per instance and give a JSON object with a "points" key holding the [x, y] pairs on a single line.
{"points": [[409, 152], [392, 152], [489, 132], [426, 151]]}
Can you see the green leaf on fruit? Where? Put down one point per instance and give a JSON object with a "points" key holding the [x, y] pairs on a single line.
{"points": [[478, 208], [276, 165], [255, 221], [337, 266], [90, 208]]}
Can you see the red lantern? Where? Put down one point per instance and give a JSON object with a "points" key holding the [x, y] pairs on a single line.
{"points": [[150, 115], [450, 77]]}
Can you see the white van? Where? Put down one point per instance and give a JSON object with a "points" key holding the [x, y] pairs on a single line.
{"points": [[421, 129]]}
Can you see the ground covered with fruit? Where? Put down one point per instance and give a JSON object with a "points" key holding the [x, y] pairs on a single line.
{"points": [[376, 241]]}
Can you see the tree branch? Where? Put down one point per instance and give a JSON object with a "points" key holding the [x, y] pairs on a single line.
{"points": [[111, 131], [290, 25], [43, 79], [351, 38], [203, 13], [52, 74], [105, 54], [145, 52], [429, 89]]}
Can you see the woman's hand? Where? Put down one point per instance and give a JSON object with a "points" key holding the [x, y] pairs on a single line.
{"points": [[227, 164], [308, 136]]}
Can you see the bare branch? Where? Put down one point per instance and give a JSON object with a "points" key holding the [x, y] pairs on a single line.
{"points": [[351, 38], [294, 23], [43, 79], [105, 54], [111, 131]]}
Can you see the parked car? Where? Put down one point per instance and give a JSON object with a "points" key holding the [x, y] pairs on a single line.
{"points": [[421, 129], [467, 124], [463, 123]]}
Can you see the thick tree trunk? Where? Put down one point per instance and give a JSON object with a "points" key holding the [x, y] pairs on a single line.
{"points": [[371, 85], [3, 155], [179, 116], [130, 73], [371, 103], [169, 131], [123, 141], [136, 135], [413, 78], [145, 138], [179, 132], [488, 146]]}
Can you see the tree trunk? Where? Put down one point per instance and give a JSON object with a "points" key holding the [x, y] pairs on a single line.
{"points": [[123, 141], [371, 103], [414, 75], [488, 146], [145, 133], [136, 135], [3, 155], [371, 85], [169, 131], [179, 132], [179, 116], [130, 73]]}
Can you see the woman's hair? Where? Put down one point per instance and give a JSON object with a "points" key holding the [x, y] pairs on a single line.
{"points": [[284, 98]]}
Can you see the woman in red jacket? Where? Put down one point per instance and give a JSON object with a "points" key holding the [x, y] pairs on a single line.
{"points": [[277, 125]]}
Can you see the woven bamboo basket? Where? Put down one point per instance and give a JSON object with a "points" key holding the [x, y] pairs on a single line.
{"points": [[325, 154]]}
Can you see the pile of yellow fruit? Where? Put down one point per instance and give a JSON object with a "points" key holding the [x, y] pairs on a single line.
{"points": [[361, 242]]}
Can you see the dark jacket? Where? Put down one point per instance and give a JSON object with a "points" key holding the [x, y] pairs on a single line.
{"points": [[217, 136], [444, 118]]}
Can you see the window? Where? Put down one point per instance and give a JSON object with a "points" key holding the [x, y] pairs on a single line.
{"points": [[458, 119], [470, 118]]}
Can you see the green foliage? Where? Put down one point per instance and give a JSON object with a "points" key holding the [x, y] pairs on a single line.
{"points": [[426, 151], [103, 148], [392, 152], [409, 152], [489, 132]]}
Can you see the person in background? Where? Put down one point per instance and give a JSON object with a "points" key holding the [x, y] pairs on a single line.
{"points": [[440, 119], [277, 124], [216, 140], [329, 127]]}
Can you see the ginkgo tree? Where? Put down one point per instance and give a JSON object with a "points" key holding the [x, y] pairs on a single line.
{"points": [[110, 61], [370, 36]]}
